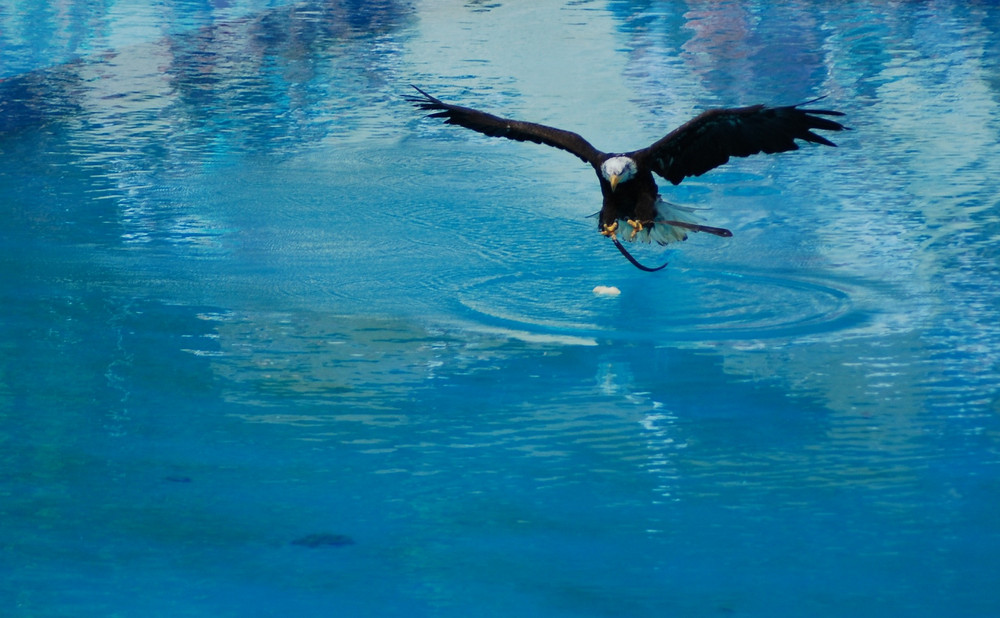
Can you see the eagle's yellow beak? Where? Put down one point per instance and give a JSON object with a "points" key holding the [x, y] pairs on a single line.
{"points": [[614, 181]]}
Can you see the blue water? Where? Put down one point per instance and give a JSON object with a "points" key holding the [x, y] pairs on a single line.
{"points": [[249, 295]]}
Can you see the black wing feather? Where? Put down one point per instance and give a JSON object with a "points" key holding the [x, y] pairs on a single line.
{"points": [[494, 126], [711, 138]]}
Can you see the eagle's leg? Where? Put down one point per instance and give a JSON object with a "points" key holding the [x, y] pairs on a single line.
{"points": [[609, 229], [636, 227]]}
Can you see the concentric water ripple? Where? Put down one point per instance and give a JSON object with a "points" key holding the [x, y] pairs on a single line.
{"points": [[690, 306]]}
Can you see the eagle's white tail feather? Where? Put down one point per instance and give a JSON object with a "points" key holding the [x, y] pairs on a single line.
{"points": [[660, 231]]}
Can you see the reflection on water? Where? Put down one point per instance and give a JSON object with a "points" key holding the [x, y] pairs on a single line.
{"points": [[131, 125], [250, 297]]}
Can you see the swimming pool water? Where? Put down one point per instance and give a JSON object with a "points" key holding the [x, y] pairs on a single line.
{"points": [[272, 343]]}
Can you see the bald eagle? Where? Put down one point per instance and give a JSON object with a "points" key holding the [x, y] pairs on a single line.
{"points": [[633, 207]]}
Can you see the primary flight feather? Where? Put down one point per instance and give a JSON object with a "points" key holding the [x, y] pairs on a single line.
{"points": [[631, 196]]}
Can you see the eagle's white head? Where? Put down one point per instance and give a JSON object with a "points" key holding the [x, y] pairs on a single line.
{"points": [[617, 170]]}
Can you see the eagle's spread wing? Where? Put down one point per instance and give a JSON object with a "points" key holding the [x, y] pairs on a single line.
{"points": [[494, 126], [712, 137]]}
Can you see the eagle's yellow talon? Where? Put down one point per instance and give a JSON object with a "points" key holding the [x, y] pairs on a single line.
{"points": [[636, 227], [609, 230]]}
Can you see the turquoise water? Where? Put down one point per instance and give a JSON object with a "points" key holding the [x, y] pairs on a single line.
{"points": [[273, 344]]}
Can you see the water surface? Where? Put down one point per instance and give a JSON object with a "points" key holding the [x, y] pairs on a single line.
{"points": [[252, 299]]}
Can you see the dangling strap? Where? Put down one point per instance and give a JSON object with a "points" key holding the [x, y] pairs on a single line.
{"points": [[634, 261]]}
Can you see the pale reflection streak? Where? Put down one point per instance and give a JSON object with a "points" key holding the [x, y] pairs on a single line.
{"points": [[657, 428], [383, 388]]}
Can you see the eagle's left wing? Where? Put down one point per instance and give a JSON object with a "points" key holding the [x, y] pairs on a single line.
{"points": [[711, 138], [494, 126]]}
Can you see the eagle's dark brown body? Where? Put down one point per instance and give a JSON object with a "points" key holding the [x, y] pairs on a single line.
{"points": [[633, 200]]}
